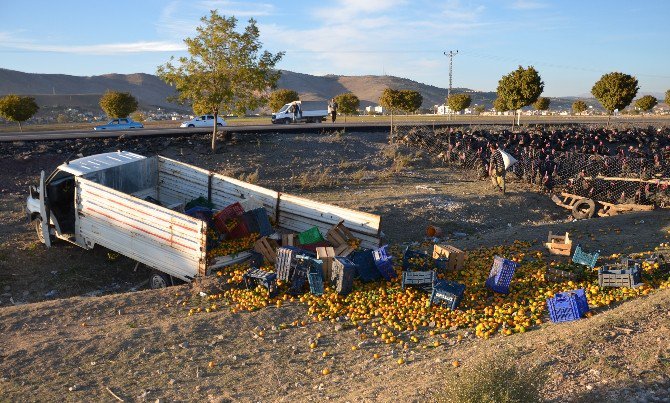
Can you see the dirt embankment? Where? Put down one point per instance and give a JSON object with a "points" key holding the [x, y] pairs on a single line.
{"points": [[141, 347]]}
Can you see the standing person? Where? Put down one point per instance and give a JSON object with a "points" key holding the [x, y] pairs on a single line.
{"points": [[497, 167], [296, 112], [333, 110]]}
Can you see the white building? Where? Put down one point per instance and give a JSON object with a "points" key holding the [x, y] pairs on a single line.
{"points": [[375, 109]]}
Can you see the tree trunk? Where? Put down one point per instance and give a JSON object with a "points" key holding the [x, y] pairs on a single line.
{"points": [[20, 128], [391, 122], [214, 133], [518, 119]]}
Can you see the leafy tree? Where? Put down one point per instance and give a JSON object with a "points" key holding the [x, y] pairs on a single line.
{"points": [[542, 104], [579, 106], [500, 105], [411, 100], [667, 97], [479, 109], [281, 97], [347, 104], [224, 72], [391, 100], [16, 108], [61, 118], [520, 88], [615, 91], [138, 116], [646, 103], [118, 104], [458, 102]]}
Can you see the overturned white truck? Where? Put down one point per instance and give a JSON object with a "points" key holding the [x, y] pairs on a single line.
{"points": [[129, 204]]}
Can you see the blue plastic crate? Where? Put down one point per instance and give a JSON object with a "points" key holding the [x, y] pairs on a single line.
{"points": [[447, 293], [343, 272], [255, 276], [298, 279], [201, 213], [384, 262], [263, 221], [567, 306], [410, 254], [315, 278], [583, 258], [365, 265], [420, 279], [501, 275]]}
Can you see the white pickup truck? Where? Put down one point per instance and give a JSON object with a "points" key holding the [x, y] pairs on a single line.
{"points": [[308, 112], [100, 200]]}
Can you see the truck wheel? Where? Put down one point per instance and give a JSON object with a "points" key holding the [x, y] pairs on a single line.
{"points": [[584, 208], [38, 229], [159, 280], [287, 121]]}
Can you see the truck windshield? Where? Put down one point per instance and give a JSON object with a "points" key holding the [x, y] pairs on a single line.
{"points": [[284, 108]]}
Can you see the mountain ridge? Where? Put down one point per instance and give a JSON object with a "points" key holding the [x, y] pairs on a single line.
{"points": [[83, 91]]}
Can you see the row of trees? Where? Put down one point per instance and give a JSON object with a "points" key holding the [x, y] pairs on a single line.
{"points": [[227, 72], [16, 108]]}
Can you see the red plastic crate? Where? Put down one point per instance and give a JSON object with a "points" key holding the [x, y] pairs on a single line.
{"points": [[229, 221]]}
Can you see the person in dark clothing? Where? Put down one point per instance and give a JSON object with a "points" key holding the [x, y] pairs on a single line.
{"points": [[333, 110], [497, 167], [296, 112]]}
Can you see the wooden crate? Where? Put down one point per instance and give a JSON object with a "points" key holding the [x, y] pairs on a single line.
{"points": [[342, 239], [288, 240], [452, 256], [268, 248], [559, 244], [327, 255]]}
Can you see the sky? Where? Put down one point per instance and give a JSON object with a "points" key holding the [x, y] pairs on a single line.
{"points": [[571, 43]]}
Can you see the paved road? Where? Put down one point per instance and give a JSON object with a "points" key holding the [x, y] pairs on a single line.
{"points": [[314, 127]]}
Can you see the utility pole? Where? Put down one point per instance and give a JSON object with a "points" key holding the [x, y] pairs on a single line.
{"points": [[450, 55]]}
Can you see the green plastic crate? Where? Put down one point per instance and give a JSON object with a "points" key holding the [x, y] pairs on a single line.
{"points": [[312, 235]]}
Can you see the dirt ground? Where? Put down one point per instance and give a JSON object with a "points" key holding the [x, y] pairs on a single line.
{"points": [[141, 349]]}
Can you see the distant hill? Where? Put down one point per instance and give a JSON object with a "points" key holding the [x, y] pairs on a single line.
{"points": [[51, 90]]}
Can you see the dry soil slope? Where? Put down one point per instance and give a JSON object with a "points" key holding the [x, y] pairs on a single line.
{"points": [[142, 349]]}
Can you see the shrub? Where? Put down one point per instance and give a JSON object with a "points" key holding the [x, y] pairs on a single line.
{"points": [[495, 380]]}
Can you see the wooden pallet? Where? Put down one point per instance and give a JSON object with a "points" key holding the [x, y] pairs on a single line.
{"points": [[268, 248], [454, 256], [559, 244], [342, 239]]}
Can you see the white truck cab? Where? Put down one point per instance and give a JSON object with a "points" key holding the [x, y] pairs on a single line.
{"points": [[300, 111]]}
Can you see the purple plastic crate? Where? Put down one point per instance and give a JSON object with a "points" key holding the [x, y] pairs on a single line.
{"points": [[567, 306], [501, 275], [384, 262]]}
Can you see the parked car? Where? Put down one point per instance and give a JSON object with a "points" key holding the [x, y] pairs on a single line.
{"points": [[204, 121], [120, 124]]}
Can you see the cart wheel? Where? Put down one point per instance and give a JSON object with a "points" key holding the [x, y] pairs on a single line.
{"points": [[584, 208], [159, 280]]}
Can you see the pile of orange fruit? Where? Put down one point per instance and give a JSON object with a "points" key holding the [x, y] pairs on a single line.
{"points": [[233, 246], [399, 316]]}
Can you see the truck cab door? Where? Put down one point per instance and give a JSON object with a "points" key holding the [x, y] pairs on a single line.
{"points": [[44, 211]]}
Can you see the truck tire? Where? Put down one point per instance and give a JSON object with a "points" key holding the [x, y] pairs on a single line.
{"points": [[287, 121], [584, 208], [159, 280], [38, 229]]}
